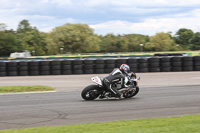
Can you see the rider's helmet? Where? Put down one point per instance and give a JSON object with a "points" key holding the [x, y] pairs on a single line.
{"points": [[125, 68]]}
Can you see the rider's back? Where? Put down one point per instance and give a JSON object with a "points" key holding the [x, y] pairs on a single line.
{"points": [[116, 74]]}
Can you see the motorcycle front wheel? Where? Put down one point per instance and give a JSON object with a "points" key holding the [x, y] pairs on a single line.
{"points": [[91, 92], [132, 93]]}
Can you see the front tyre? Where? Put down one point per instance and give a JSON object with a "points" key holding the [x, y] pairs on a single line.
{"points": [[90, 92], [132, 93]]}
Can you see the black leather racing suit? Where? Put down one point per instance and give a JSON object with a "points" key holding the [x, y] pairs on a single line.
{"points": [[115, 76]]}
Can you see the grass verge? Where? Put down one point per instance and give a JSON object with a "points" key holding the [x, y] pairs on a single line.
{"points": [[182, 124], [15, 89]]}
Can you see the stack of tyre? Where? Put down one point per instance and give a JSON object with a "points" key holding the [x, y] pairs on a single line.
{"points": [[23, 68], [196, 61], [12, 68], [154, 64], [66, 67], [55, 67], [45, 68], [133, 63], [3, 70], [143, 65], [165, 64], [187, 63], [77, 66], [99, 66], [88, 66], [119, 62], [176, 63], [34, 68], [109, 65]]}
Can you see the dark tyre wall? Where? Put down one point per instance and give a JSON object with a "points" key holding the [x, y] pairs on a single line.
{"points": [[34, 68], [23, 68], [110, 64], [196, 63], [143, 65], [45, 67], [165, 69], [99, 66], [154, 64], [45, 72], [12, 68], [99, 71], [165, 64], [23, 73], [3, 73]]}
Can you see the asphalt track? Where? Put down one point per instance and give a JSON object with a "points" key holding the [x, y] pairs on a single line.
{"points": [[161, 94]]}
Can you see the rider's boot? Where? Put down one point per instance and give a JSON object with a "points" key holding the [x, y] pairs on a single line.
{"points": [[120, 97], [101, 97]]}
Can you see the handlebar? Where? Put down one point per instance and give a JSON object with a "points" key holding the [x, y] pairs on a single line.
{"points": [[134, 76]]}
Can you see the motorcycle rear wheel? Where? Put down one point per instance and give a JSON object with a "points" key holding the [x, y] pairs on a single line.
{"points": [[90, 92], [132, 93]]}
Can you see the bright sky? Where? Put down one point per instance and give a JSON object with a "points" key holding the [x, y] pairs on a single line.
{"points": [[145, 17]]}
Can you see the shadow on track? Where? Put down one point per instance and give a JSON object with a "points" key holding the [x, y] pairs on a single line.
{"points": [[112, 100]]}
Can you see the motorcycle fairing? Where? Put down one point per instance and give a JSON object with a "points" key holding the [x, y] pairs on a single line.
{"points": [[97, 80]]}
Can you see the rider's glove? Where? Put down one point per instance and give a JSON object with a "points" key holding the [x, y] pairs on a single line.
{"points": [[133, 75]]}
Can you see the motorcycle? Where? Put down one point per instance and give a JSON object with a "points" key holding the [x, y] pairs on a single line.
{"points": [[98, 90]]}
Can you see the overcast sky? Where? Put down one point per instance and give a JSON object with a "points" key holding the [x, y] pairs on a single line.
{"points": [[105, 16]]}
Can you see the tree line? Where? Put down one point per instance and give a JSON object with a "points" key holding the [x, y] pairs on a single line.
{"points": [[80, 38]]}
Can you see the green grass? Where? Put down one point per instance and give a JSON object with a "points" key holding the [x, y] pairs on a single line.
{"points": [[16, 89], [182, 124]]}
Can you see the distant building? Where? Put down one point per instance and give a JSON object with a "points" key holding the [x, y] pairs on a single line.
{"points": [[24, 54]]}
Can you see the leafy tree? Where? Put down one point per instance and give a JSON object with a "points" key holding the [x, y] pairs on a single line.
{"points": [[183, 36], [24, 27], [8, 43], [134, 41], [73, 38], [161, 42], [195, 41], [31, 39], [122, 43], [112, 43], [80, 38]]}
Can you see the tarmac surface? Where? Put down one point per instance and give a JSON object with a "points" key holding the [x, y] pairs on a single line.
{"points": [[161, 95]]}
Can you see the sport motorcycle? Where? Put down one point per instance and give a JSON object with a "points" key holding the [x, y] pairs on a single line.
{"points": [[98, 90]]}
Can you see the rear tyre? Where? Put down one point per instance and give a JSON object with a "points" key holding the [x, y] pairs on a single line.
{"points": [[132, 93], [90, 92]]}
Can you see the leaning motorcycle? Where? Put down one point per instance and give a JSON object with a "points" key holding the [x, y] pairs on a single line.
{"points": [[98, 90]]}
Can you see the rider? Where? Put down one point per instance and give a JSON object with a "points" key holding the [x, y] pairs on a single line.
{"points": [[118, 74]]}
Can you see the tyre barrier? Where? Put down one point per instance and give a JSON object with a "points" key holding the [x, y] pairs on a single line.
{"points": [[170, 54], [99, 66]]}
